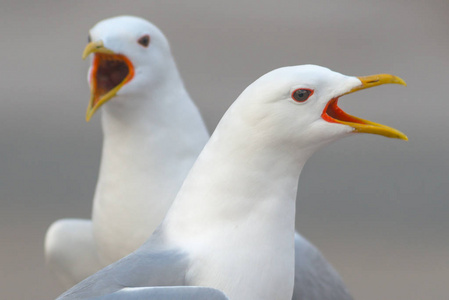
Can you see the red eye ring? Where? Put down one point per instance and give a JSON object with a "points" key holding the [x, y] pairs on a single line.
{"points": [[301, 95]]}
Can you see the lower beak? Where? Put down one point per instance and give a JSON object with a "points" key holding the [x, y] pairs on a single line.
{"points": [[334, 114]]}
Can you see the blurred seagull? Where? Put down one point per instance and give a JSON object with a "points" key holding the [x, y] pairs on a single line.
{"points": [[231, 226], [153, 133]]}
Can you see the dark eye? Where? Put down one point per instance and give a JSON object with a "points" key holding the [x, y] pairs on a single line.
{"points": [[301, 95], [144, 41], [89, 39]]}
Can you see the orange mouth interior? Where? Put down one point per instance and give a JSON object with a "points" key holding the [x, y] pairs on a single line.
{"points": [[108, 72], [334, 114]]}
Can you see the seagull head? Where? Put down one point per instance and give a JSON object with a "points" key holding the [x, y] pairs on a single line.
{"points": [[129, 56], [299, 104]]}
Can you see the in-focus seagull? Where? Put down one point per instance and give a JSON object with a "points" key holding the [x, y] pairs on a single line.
{"points": [[153, 133], [231, 226]]}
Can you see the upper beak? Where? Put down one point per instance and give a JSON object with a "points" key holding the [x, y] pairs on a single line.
{"points": [[97, 47], [375, 80], [333, 113], [110, 71]]}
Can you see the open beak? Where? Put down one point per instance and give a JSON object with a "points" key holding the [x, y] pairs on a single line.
{"points": [[334, 114], [110, 71]]}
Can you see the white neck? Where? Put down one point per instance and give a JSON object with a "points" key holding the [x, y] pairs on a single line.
{"points": [[239, 201], [150, 143]]}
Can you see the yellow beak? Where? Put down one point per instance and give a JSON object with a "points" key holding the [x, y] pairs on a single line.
{"points": [[333, 113], [97, 47]]}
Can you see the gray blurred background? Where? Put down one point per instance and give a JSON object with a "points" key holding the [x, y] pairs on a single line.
{"points": [[376, 207]]}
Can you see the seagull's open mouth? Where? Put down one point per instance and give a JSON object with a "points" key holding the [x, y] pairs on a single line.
{"points": [[334, 114], [109, 73]]}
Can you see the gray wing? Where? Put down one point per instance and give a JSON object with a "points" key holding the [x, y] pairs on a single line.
{"points": [[315, 278], [166, 293], [142, 268]]}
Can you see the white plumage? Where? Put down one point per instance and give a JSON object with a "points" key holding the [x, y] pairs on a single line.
{"points": [[153, 134], [231, 226]]}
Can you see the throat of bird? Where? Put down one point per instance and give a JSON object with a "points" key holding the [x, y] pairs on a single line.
{"points": [[222, 190]]}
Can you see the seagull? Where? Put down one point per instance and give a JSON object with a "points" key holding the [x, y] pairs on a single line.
{"points": [[152, 135], [232, 225]]}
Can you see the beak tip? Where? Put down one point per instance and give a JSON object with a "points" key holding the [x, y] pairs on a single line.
{"points": [[88, 116], [400, 81], [402, 136]]}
